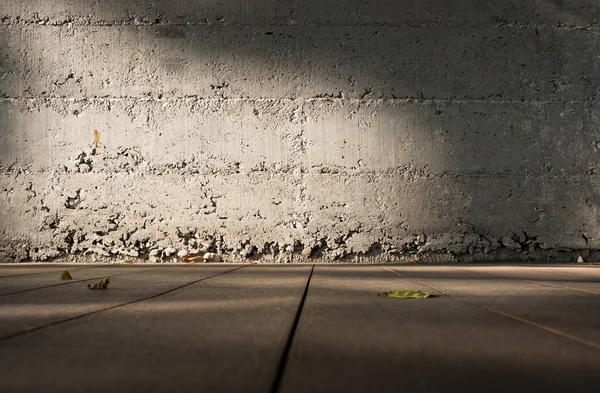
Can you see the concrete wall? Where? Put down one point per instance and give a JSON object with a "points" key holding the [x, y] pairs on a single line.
{"points": [[293, 130]]}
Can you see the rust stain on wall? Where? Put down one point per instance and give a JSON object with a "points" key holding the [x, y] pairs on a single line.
{"points": [[96, 144]]}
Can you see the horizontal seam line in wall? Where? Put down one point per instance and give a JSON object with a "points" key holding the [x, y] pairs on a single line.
{"points": [[382, 173], [506, 26], [407, 100]]}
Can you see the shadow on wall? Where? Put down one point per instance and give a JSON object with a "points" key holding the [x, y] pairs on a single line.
{"points": [[378, 128]]}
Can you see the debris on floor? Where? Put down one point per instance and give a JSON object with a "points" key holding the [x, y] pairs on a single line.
{"points": [[406, 294], [580, 259], [102, 284], [197, 259], [123, 261], [66, 275]]}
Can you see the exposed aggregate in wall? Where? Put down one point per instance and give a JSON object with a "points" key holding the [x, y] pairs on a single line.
{"points": [[358, 131]]}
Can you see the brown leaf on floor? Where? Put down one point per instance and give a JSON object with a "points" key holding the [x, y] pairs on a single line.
{"points": [[198, 259], [102, 284], [414, 260], [66, 275]]}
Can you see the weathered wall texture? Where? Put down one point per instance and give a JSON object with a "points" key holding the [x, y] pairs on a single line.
{"points": [[350, 130]]}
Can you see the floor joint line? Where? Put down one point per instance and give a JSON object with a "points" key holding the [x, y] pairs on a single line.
{"points": [[288, 346], [528, 280], [67, 282], [548, 329], [47, 325], [58, 269]]}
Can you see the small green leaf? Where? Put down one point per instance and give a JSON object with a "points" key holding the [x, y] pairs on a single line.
{"points": [[66, 275], [406, 294]]}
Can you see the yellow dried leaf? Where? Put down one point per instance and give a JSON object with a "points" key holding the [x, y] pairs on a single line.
{"points": [[406, 294]]}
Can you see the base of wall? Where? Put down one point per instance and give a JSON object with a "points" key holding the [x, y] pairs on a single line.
{"points": [[270, 254]]}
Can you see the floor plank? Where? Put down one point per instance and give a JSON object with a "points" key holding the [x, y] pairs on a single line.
{"points": [[13, 269], [350, 340], [570, 311], [27, 282], [582, 283], [30, 310], [225, 334]]}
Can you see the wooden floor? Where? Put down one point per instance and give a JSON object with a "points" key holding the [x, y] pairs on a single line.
{"points": [[301, 328]]}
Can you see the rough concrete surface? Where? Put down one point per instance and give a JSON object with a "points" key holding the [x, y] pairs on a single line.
{"points": [[312, 130]]}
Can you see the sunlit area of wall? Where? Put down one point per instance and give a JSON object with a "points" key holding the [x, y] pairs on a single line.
{"points": [[326, 130]]}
